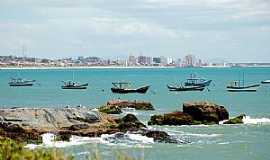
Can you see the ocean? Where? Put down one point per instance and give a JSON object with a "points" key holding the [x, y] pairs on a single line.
{"points": [[246, 141]]}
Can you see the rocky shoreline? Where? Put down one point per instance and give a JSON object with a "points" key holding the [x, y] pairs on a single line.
{"points": [[26, 124]]}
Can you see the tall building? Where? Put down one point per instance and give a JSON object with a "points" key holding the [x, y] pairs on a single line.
{"points": [[189, 60]]}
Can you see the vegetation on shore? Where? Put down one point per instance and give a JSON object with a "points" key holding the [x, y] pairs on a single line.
{"points": [[13, 150]]}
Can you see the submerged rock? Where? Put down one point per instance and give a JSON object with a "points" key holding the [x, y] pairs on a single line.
{"points": [[236, 120], [174, 118], [163, 137], [205, 112]]}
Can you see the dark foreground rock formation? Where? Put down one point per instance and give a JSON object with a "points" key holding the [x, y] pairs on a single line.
{"points": [[26, 124], [193, 113], [114, 106]]}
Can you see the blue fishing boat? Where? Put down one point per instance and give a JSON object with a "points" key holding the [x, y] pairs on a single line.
{"points": [[197, 81], [20, 82]]}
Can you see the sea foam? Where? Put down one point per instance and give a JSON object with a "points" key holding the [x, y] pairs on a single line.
{"points": [[249, 120]]}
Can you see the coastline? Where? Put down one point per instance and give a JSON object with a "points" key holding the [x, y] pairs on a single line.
{"points": [[118, 67], [88, 67]]}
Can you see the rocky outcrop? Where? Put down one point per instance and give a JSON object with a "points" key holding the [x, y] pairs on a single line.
{"points": [[138, 105], [26, 123], [236, 120], [174, 118], [205, 112], [193, 113], [110, 109]]}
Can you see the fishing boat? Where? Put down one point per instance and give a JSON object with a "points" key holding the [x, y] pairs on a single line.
{"points": [[266, 81], [185, 88], [19, 82], [73, 85], [124, 87], [240, 86], [197, 81]]}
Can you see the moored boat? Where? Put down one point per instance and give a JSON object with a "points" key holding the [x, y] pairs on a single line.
{"points": [[185, 88], [74, 85], [124, 87], [197, 81], [266, 81], [239, 86], [19, 82]]}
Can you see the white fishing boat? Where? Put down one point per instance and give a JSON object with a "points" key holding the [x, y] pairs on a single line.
{"points": [[240, 86], [266, 81]]}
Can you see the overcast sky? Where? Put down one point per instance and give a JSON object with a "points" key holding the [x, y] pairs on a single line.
{"points": [[233, 30]]}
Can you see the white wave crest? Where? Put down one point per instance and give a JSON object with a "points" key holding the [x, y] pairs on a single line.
{"points": [[48, 140], [249, 120]]}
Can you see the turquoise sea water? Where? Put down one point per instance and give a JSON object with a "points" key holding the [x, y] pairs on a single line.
{"points": [[247, 141]]}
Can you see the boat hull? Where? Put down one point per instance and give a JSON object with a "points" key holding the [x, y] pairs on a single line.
{"points": [[74, 87], [193, 88], [266, 82], [21, 85], [141, 90], [251, 88]]}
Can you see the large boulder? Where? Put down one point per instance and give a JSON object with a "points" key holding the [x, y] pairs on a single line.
{"points": [[236, 120], [205, 112], [30, 123], [173, 118], [130, 123]]}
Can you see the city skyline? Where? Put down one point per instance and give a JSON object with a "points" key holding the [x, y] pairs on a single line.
{"points": [[235, 31]]}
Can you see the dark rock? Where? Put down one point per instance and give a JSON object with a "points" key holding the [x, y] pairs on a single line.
{"points": [[205, 112], [236, 120], [130, 123], [78, 127], [174, 118], [138, 105]]}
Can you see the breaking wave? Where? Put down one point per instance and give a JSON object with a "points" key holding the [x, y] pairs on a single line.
{"points": [[249, 120], [127, 139]]}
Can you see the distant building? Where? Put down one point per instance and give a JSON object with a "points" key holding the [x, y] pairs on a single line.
{"points": [[132, 60], [189, 60]]}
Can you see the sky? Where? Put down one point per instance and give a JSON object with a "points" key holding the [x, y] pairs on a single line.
{"points": [[231, 30]]}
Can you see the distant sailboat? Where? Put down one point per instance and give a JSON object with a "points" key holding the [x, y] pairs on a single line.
{"points": [[238, 86]]}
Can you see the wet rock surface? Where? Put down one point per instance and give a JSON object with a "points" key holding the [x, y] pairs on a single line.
{"points": [[138, 105], [193, 113], [206, 112]]}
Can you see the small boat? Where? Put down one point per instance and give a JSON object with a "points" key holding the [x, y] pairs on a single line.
{"points": [[197, 81], [74, 85], [265, 81], [19, 82], [185, 88], [238, 86], [124, 87]]}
